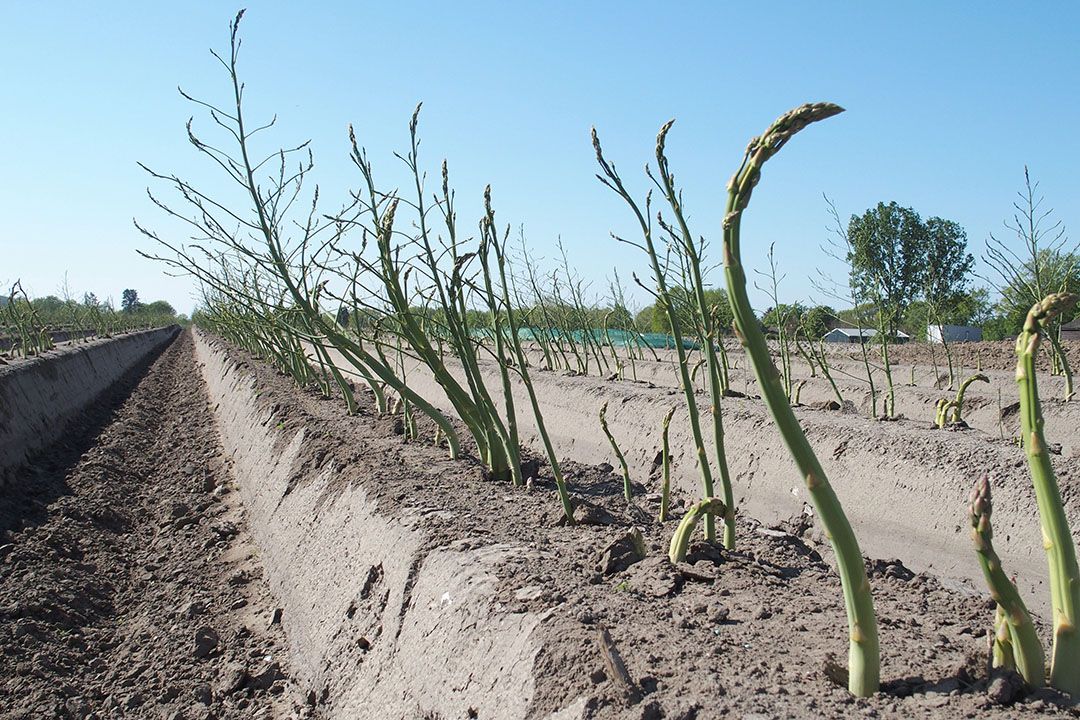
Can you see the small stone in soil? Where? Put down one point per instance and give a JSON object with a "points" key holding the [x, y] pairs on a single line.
{"points": [[1005, 688], [203, 694], [206, 641], [265, 676]]}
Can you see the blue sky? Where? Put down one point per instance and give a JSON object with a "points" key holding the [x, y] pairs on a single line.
{"points": [[945, 107]]}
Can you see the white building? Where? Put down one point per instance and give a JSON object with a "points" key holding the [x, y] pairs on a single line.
{"points": [[854, 335], [953, 333]]}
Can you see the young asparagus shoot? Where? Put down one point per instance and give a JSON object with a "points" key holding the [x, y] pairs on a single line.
{"points": [[627, 490], [680, 541], [1016, 643], [687, 249], [665, 482], [863, 651], [958, 403], [942, 412], [1057, 539]]}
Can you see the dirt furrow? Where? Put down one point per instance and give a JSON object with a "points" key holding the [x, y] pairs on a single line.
{"points": [[128, 584]]}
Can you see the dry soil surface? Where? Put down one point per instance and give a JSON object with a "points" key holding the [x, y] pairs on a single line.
{"points": [[752, 633], [127, 586]]}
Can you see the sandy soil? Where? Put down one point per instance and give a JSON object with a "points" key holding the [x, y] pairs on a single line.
{"points": [[904, 484], [747, 633], [128, 586], [132, 584], [990, 407]]}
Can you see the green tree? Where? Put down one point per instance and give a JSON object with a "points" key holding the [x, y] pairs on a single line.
{"points": [[817, 320], [888, 258], [129, 301], [790, 316], [158, 307], [972, 307], [948, 263], [715, 299], [644, 318], [1054, 271]]}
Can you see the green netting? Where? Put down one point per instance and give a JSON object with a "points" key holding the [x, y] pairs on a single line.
{"points": [[621, 338]]}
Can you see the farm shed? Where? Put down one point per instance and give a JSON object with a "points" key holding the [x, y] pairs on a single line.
{"points": [[854, 335], [953, 333]]}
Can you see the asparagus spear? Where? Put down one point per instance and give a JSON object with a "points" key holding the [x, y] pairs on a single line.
{"points": [[1015, 641], [1060, 552], [958, 403], [665, 487], [863, 652], [680, 541], [618, 453]]}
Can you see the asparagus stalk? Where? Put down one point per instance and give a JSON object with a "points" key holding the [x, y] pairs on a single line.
{"points": [[863, 659], [665, 486], [958, 403], [1060, 552], [1001, 648], [618, 453], [1016, 643], [680, 541]]}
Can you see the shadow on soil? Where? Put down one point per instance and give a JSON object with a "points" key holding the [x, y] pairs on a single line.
{"points": [[34, 487]]}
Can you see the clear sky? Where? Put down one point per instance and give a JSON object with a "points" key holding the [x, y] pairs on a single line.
{"points": [[945, 106]]}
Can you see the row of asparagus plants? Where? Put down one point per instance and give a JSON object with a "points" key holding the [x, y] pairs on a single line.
{"points": [[405, 293], [29, 327], [407, 297], [1016, 643]]}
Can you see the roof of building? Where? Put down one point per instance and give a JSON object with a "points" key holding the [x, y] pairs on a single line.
{"points": [[865, 332]]}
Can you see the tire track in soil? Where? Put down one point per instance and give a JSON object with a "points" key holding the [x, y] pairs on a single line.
{"points": [[128, 584]]}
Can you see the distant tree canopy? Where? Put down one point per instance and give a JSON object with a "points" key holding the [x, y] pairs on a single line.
{"points": [[1059, 271], [685, 304], [817, 321], [783, 315], [129, 301], [158, 307], [969, 308], [948, 264], [55, 312], [809, 322], [897, 258]]}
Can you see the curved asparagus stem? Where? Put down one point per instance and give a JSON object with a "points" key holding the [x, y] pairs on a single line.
{"points": [[863, 651], [1060, 551], [627, 490], [958, 403], [1016, 642], [665, 486], [943, 407], [680, 541], [796, 391]]}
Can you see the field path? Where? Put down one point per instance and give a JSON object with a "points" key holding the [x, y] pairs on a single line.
{"points": [[128, 584]]}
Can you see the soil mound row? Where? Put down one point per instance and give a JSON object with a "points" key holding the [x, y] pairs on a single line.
{"points": [[40, 395], [128, 585], [411, 586], [904, 485]]}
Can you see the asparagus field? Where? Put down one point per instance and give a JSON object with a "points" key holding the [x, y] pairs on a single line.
{"points": [[404, 461]]}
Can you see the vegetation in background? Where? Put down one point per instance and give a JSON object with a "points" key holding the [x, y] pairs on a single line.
{"points": [[1040, 261], [28, 324]]}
